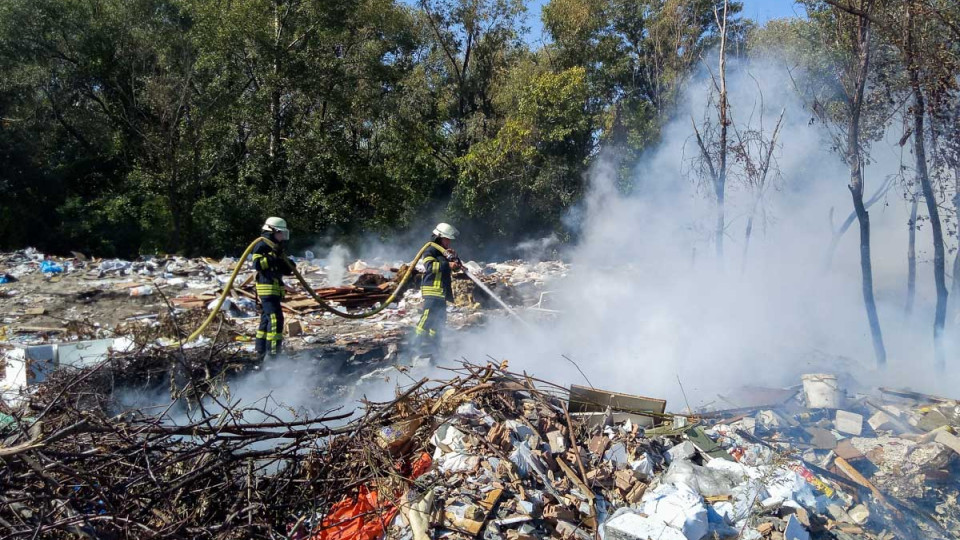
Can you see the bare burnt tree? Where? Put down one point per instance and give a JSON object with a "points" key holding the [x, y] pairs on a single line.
{"points": [[852, 24], [712, 140], [917, 28], [914, 66], [754, 151]]}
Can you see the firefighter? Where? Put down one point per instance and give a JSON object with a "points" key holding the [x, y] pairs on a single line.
{"points": [[436, 289], [271, 265]]}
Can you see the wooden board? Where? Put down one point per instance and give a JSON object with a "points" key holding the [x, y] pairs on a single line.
{"points": [[594, 419], [583, 399]]}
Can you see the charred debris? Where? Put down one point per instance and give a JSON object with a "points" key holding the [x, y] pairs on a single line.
{"points": [[463, 451]]}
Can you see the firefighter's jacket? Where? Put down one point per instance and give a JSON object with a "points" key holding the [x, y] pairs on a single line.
{"points": [[271, 265], [436, 276]]}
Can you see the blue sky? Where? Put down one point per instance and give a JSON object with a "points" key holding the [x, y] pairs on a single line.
{"points": [[760, 11]]}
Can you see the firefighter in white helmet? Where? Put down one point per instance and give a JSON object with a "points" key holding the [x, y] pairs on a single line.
{"points": [[436, 289], [271, 265]]}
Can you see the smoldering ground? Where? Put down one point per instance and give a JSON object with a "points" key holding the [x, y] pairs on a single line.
{"points": [[649, 305], [648, 301]]}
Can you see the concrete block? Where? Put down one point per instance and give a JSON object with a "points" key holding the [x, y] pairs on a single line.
{"points": [[848, 423], [949, 440], [293, 328], [859, 514], [882, 421]]}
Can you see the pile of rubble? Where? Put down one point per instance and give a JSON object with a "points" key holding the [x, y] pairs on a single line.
{"points": [[33, 284], [519, 464], [487, 453], [48, 301]]}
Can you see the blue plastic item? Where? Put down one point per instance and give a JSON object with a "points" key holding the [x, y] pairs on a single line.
{"points": [[50, 267]]}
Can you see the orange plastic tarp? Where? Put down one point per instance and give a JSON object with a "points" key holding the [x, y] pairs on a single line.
{"points": [[365, 517]]}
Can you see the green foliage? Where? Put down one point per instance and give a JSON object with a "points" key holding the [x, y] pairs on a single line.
{"points": [[530, 169], [141, 126]]}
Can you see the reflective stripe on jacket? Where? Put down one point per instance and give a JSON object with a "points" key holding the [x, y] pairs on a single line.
{"points": [[271, 265], [436, 276]]}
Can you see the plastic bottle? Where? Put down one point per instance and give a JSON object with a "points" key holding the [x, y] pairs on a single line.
{"points": [[143, 290]]}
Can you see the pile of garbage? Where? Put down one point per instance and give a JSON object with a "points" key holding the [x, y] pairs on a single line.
{"points": [[30, 281], [488, 453], [518, 464]]}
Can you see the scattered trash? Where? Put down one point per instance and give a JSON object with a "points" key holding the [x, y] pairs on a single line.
{"points": [[485, 454], [50, 267], [822, 391], [143, 290]]}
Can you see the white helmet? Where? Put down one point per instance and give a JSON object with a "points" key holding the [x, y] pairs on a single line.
{"points": [[275, 224], [445, 230]]}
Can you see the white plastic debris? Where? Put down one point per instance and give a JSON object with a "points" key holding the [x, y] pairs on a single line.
{"points": [[643, 467], [679, 507], [227, 302], [114, 265], [469, 410], [521, 431], [684, 450], [473, 268], [628, 525], [792, 488], [525, 461], [617, 454], [447, 438], [450, 456]]}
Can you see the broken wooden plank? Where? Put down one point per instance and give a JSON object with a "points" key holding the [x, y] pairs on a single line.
{"points": [[909, 394], [855, 475], [38, 330], [583, 399], [587, 492]]}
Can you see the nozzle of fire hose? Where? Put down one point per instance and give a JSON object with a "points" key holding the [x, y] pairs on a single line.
{"points": [[453, 258]]}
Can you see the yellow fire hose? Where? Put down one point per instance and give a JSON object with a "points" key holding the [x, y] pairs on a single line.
{"points": [[326, 306]]}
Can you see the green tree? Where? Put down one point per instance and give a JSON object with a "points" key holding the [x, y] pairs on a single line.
{"points": [[637, 55], [524, 177]]}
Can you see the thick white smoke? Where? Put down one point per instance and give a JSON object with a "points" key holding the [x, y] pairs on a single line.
{"points": [[647, 301]]}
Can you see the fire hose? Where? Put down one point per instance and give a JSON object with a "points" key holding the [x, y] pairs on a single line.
{"points": [[325, 305]]}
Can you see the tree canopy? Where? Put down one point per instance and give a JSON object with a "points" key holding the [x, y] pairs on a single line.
{"points": [[142, 126]]}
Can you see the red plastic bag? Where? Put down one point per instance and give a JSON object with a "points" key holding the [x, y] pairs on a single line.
{"points": [[365, 517]]}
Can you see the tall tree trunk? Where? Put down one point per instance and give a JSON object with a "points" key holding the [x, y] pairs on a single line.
{"points": [[939, 256], [854, 155], [956, 256], [747, 235], [912, 256], [721, 180], [276, 119], [866, 269]]}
